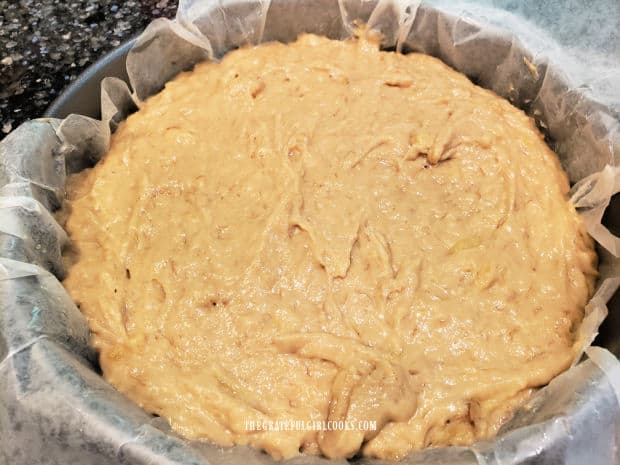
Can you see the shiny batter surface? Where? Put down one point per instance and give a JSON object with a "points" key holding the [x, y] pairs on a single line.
{"points": [[324, 231]]}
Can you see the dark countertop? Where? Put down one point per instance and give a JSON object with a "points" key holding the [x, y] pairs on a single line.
{"points": [[46, 44]]}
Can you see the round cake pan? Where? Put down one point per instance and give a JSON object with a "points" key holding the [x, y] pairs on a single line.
{"points": [[56, 408]]}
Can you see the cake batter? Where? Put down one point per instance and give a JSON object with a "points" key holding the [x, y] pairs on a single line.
{"points": [[326, 231]]}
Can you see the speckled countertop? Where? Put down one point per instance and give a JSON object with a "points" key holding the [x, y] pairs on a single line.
{"points": [[46, 44]]}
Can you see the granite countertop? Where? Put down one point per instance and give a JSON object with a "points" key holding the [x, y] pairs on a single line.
{"points": [[46, 44]]}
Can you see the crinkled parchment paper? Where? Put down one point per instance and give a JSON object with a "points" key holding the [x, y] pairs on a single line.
{"points": [[54, 406]]}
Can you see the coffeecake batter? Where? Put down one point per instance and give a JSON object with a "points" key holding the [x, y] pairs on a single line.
{"points": [[326, 231]]}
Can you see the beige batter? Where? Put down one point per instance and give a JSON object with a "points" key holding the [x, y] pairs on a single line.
{"points": [[324, 231]]}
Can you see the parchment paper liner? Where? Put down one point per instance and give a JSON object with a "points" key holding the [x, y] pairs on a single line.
{"points": [[56, 408]]}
